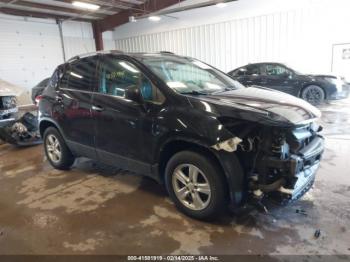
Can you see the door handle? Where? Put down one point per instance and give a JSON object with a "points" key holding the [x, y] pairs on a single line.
{"points": [[97, 108]]}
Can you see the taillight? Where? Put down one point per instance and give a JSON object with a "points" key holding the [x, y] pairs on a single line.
{"points": [[37, 99]]}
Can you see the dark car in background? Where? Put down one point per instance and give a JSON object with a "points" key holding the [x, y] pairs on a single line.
{"points": [[210, 140], [313, 88], [38, 89]]}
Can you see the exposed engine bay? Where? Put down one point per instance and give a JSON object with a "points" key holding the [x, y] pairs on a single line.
{"points": [[279, 162]]}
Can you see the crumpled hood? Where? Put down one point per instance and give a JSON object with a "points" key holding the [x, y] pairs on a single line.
{"points": [[259, 104]]}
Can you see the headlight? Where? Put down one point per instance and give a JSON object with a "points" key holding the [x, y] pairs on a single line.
{"points": [[336, 81]]}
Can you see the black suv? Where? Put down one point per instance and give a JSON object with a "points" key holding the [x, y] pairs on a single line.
{"points": [[184, 123], [313, 88]]}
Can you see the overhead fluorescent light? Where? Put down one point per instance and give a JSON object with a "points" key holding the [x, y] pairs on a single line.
{"points": [[75, 75], [221, 5], [85, 5], [128, 67], [154, 18]]}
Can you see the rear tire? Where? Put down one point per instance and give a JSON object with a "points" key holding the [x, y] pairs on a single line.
{"points": [[56, 150], [313, 94], [196, 185]]}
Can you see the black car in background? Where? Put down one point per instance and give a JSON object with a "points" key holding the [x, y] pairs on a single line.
{"points": [[38, 89], [210, 140], [313, 88]]}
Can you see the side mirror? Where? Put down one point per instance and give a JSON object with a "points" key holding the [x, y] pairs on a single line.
{"points": [[133, 93], [287, 75]]}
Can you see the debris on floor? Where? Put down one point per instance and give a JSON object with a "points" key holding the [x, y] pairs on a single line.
{"points": [[317, 233], [23, 131]]}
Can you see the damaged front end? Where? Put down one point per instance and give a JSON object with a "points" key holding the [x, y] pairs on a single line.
{"points": [[15, 130], [278, 162]]}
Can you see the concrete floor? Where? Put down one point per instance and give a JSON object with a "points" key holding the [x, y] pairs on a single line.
{"points": [[93, 209]]}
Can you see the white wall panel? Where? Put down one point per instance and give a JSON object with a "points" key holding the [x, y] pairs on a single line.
{"points": [[301, 36], [76, 46], [30, 49], [78, 38], [28, 53]]}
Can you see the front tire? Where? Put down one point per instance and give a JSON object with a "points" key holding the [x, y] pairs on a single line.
{"points": [[196, 185], [56, 150], [313, 94]]}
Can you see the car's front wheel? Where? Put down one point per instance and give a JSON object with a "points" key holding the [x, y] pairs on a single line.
{"points": [[313, 94], [196, 185], [56, 150]]}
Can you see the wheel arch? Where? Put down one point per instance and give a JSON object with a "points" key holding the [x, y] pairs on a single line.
{"points": [[46, 123], [227, 162]]}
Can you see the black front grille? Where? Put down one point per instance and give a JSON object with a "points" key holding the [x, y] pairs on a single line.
{"points": [[8, 102]]}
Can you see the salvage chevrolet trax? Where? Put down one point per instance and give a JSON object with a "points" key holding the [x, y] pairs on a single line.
{"points": [[211, 141]]}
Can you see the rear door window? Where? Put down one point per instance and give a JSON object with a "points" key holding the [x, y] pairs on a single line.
{"points": [[253, 70], [80, 75]]}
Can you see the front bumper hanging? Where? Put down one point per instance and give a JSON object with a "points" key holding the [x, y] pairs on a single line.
{"points": [[298, 172]]}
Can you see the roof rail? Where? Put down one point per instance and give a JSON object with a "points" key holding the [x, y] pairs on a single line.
{"points": [[167, 52], [117, 51], [77, 57]]}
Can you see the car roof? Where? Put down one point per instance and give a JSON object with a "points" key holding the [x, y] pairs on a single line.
{"points": [[266, 63], [260, 63], [118, 52]]}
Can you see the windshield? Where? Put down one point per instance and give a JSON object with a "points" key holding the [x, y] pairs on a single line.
{"points": [[189, 76]]}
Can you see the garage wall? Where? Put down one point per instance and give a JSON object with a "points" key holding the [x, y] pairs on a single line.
{"points": [[299, 33], [30, 49], [78, 38], [108, 40]]}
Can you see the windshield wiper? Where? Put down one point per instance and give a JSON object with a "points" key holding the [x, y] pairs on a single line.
{"points": [[194, 92], [225, 90]]}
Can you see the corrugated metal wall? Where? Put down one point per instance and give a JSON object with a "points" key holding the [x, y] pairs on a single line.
{"points": [[297, 37]]}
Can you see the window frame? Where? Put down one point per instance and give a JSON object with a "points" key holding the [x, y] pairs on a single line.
{"points": [[67, 66]]}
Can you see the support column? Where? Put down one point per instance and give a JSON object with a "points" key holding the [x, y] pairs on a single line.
{"points": [[59, 23], [97, 36]]}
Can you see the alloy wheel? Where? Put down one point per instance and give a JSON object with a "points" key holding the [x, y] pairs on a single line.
{"points": [[314, 95], [191, 187], [53, 148]]}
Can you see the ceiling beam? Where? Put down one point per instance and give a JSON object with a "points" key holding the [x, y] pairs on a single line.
{"points": [[52, 8], [114, 9], [16, 12], [150, 6], [68, 5]]}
